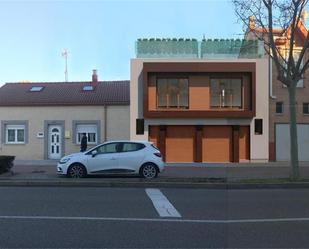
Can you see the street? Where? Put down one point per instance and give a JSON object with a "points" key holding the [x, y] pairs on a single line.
{"points": [[63, 217]]}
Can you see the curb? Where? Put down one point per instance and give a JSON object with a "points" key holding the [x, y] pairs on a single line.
{"points": [[149, 184]]}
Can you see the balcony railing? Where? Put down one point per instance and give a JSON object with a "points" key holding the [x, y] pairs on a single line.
{"points": [[205, 49]]}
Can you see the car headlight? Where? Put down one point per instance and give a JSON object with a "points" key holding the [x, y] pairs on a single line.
{"points": [[64, 160]]}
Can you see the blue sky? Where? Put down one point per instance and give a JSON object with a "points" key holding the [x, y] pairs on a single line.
{"points": [[99, 34]]}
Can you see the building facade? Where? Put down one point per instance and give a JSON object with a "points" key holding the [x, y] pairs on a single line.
{"points": [[199, 110], [279, 133], [47, 120]]}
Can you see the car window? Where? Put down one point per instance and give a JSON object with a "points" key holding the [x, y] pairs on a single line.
{"points": [[127, 147], [108, 148]]}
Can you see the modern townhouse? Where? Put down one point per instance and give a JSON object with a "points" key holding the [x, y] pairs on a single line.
{"points": [[199, 101]]}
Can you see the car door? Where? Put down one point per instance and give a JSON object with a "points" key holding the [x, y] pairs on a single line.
{"points": [[105, 158], [131, 157]]}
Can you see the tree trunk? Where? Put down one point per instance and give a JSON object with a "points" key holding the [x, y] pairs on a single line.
{"points": [[293, 134]]}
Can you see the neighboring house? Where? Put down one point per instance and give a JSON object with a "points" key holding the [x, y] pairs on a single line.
{"points": [[46, 120], [279, 133], [197, 109]]}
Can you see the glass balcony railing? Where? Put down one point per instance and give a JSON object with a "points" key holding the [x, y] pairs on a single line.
{"points": [[205, 49]]}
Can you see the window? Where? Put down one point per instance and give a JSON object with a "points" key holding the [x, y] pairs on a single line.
{"points": [[15, 134], [225, 93], [139, 126], [279, 107], [258, 126], [173, 93], [127, 147], [109, 148], [305, 108], [36, 89], [296, 54], [88, 88], [90, 130]]}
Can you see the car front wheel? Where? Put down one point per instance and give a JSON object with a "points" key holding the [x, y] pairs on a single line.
{"points": [[77, 171], [149, 171]]}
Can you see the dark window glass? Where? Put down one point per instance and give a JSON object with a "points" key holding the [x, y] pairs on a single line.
{"points": [[225, 93], [172, 92], [108, 148], [306, 108], [258, 126], [127, 147], [139, 126], [279, 107]]}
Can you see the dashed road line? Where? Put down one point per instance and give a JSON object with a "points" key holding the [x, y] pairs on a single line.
{"points": [[161, 203]]}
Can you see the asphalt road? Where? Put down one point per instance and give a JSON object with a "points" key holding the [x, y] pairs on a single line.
{"points": [[136, 218]]}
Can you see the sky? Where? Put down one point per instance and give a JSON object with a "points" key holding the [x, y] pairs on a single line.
{"points": [[98, 34]]}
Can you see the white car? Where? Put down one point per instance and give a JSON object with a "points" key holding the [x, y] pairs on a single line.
{"points": [[135, 157]]}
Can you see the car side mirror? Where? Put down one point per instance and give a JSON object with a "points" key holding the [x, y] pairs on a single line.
{"points": [[94, 153]]}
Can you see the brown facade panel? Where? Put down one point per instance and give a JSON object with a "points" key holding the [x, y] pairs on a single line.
{"points": [[217, 144], [244, 143], [272, 152], [154, 134], [199, 76], [180, 143]]}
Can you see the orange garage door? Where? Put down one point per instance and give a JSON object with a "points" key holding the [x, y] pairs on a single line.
{"points": [[180, 143], [217, 144]]}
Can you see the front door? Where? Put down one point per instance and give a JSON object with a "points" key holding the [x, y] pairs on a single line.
{"points": [[54, 142]]}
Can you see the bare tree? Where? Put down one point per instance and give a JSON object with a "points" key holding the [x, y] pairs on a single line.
{"points": [[278, 20]]}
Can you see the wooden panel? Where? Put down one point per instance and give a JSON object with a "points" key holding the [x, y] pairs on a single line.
{"points": [[180, 143], [199, 92], [244, 143], [217, 144], [154, 134]]}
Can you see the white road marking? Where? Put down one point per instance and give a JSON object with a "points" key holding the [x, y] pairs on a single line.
{"points": [[14, 217], [161, 203]]}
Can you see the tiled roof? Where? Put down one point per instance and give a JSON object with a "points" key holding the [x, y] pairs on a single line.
{"points": [[65, 93]]}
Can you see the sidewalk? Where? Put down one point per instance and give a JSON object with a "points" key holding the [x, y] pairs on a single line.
{"points": [[43, 173]]}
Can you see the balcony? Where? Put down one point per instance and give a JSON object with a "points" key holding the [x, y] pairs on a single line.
{"points": [[194, 49]]}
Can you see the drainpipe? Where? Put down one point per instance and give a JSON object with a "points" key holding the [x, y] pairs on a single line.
{"points": [[105, 123], [270, 77]]}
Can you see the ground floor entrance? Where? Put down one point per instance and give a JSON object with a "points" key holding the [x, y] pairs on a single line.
{"points": [[198, 143]]}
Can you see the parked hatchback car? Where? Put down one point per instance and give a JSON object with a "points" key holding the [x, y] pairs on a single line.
{"points": [[134, 157]]}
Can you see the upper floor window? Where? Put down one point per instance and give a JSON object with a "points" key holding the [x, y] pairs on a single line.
{"points": [[173, 93], [225, 93], [305, 108], [296, 54], [279, 107]]}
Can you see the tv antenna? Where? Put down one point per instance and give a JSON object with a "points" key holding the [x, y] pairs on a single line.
{"points": [[65, 54]]}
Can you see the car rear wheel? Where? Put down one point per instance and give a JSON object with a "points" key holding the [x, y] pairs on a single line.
{"points": [[149, 171], [77, 171]]}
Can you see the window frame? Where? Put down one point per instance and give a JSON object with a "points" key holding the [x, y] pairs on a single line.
{"points": [[24, 124], [172, 78], [218, 78], [306, 103], [77, 123]]}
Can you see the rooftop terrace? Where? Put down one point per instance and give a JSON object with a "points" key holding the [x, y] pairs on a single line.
{"points": [[192, 48]]}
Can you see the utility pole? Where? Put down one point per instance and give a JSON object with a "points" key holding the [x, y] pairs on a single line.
{"points": [[65, 54]]}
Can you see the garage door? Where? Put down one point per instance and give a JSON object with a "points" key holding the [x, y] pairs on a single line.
{"points": [[217, 144], [180, 143], [283, 142]]}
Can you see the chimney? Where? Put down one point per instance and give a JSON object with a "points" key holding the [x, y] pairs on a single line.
{"points": [[251, 22], [94, 78]]}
